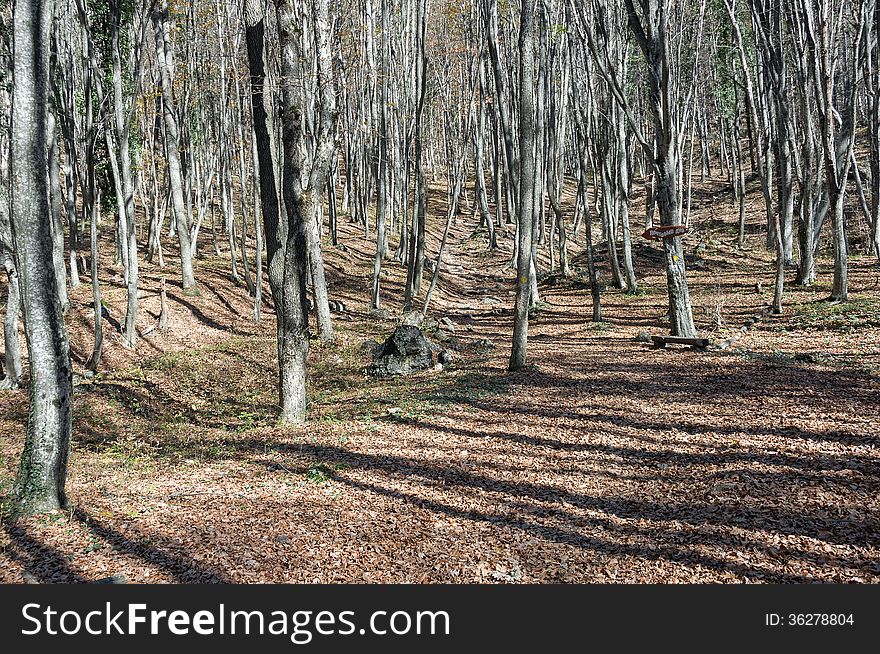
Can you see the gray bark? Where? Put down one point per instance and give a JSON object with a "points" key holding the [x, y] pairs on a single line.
{"points": [[526, 181], [40, 484], [651, 31], [164, 53]]}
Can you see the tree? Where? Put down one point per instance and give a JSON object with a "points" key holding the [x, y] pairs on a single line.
{"points": [[10, 374], [165, 62], [41, 478], [669, 100], [304, 182], [650, 25], [526, 209]]}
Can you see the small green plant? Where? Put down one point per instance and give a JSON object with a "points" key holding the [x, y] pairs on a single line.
{"points": [[322, 472], [319, 474], [94, 546], [249, 420], [165, 361]]}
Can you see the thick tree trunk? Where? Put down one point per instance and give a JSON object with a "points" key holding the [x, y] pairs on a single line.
{"points": [[41, 478], [292, 332]]}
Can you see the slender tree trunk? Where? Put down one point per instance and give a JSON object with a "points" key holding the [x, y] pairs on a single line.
{"points": [[57, 224], [653, 41], [527, 179], [10, 375], [164, 52]]}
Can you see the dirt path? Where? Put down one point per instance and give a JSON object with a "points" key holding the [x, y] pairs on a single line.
{"points": [[602, 461]]}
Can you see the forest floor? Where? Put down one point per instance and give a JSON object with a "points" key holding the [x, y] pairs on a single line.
{"points": [[603, 461]]}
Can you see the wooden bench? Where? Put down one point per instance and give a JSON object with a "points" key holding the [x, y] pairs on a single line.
{"points": [[663, 341]]}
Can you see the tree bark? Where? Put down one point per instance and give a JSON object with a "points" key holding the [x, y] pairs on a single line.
{"points": [[164, 53], [526, 182], [40, 484]]}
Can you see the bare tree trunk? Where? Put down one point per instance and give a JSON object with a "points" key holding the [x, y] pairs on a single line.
{"points": [[10, 375], [164, 53], [291, 313], [55, 204], [651, 31], [527, 179], [41, 478], [416, 259]]}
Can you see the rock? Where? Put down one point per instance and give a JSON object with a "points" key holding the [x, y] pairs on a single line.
{"points": [[434, 347], [115, 579], [442, 336], [413, 318], [643, 337], [406, 351], [438, 367], [429, 325], [28, 578], [445, 357], [282, 539], [491, 300], [485, 344], [380, 314], [447, 324], [251, 564], [89, 374], [369, 346]]}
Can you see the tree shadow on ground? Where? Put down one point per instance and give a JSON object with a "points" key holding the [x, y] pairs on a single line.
{"points": [[672, 543], [44, 563], [844, 531], [181, 566]]}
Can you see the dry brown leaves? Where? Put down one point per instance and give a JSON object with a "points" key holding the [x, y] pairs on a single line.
{"points": [[605, 461]]}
